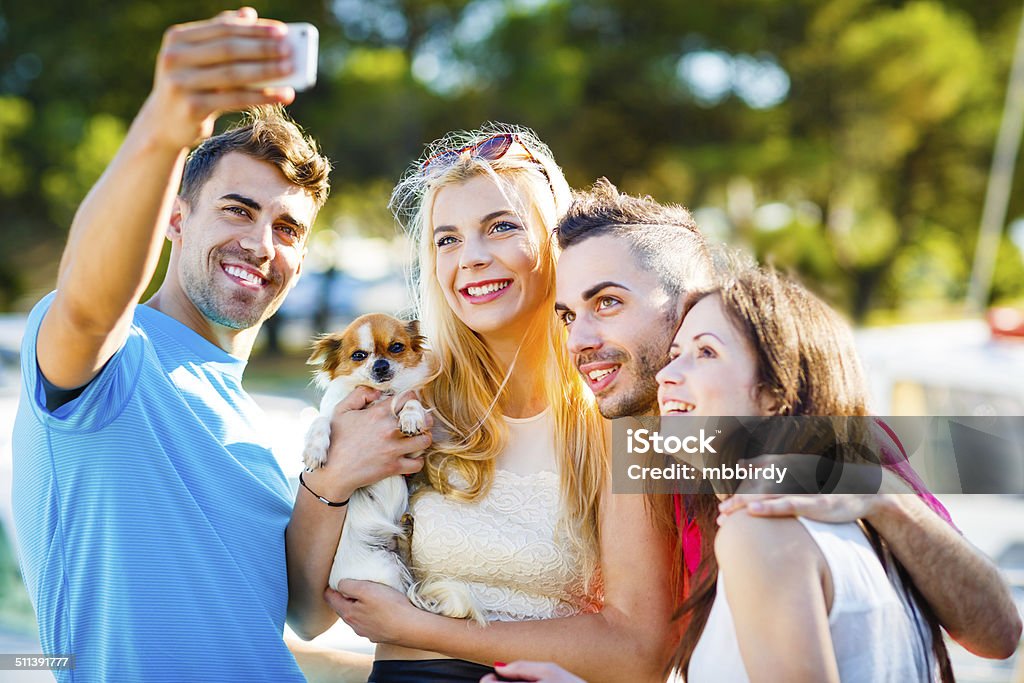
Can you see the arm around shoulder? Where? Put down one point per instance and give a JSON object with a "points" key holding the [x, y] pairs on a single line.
{"points": [[965, 589]]}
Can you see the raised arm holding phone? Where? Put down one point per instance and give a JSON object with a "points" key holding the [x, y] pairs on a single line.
{"points": [[203, 68]]}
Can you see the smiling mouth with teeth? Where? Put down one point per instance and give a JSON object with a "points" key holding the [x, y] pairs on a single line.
{"points": [[677, 407], [244, 275], [597, 375], [489, 288]]}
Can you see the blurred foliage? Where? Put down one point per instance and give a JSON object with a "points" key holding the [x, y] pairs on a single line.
{"points": [[16, 613], [847, 140]]}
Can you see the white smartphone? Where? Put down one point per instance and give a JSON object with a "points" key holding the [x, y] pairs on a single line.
{"points": [[304, 40]]}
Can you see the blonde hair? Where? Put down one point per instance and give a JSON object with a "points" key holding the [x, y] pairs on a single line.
{"points": [[464, 396]]}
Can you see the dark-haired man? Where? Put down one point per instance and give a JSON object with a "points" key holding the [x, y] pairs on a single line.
{"points": [[626, 264], [150, 511], [625, 267]]}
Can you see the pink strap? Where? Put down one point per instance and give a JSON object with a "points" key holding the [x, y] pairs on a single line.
{"points": [[689, 534], [895, 459]]}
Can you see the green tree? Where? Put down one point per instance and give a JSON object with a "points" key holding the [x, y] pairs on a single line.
{"points": [[871, 120]]}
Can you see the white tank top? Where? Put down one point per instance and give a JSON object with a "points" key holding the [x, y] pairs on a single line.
{"points": [[506, 546], [877, 632]]}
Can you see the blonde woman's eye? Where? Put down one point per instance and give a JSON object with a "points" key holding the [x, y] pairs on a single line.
{"points": [[567, 317], [445, 241], [504, 226], [706, 352]]}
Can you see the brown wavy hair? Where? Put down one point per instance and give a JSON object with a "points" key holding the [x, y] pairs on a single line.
{"points": [[268, 134], [806, 365]]}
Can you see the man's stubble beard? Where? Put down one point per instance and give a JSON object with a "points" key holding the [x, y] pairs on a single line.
{"points": [[219, 305], [642, 397]]}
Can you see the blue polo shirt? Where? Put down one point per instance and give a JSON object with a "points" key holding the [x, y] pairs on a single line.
{"points": [[151, 513]]}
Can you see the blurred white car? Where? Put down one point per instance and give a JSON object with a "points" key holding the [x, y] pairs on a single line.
{"points": [[947, 368]]}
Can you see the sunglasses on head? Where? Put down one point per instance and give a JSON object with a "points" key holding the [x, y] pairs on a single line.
{"points": [[491, 149]]}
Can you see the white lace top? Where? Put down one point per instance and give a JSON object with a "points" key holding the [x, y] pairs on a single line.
{"points": [[506, 546]]}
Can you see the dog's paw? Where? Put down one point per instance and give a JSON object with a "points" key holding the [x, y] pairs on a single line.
{"points": [[318, 440], [410, 425], [413, 419]]}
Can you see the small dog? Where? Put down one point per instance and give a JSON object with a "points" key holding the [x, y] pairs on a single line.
{"points": [[384, 353]]}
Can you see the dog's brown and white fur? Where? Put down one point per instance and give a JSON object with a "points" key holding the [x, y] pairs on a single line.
{"points": [[387, 354]]}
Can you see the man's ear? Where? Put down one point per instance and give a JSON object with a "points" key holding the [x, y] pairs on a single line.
{"points": [[179, 211]]}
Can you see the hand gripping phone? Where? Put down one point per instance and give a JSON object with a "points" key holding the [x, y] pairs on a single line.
{"points": [[304, 40]]}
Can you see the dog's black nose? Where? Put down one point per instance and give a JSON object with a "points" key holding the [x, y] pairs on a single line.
{"points": [[381, 368]]}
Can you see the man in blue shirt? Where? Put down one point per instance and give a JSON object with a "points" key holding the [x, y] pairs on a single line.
{"points": [[150, 511]]}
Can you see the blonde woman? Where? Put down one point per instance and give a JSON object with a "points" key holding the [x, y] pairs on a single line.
{"points": [[516, 502]]}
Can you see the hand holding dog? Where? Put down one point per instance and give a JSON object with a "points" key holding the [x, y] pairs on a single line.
{"points": [[367, 445], [377, 612]]}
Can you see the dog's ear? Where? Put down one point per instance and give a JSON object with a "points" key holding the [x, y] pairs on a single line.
{"points": [[416, 340], [325, 347]]}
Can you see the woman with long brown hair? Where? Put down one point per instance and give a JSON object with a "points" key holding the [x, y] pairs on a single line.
{"points": [[786, 598]]}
